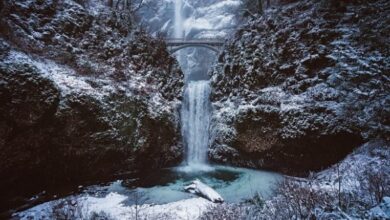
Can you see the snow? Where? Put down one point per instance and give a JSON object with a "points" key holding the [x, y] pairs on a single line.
{"points": [[292, 103], [197, 187], [112, 206], [70, 82], [351, 176], [382, 211], [95, 7], [353, 165], [64, 77], [118, 201], [196, 23], [215, 16]]}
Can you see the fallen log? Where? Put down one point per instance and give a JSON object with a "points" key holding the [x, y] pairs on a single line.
{"points": [[203, 190]]}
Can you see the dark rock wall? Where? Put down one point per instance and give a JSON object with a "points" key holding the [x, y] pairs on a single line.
{"points": [[89, 100], [307, 82], [92, 41]]}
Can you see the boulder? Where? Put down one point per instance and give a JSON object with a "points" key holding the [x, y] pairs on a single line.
{"points": [[201, 189]]}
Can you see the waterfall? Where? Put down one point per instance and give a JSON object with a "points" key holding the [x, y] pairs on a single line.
{"points": [[195, 112], [195, 122], [178, 28]]}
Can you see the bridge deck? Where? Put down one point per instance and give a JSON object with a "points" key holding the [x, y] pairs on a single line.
{"points": [[182, 41]]}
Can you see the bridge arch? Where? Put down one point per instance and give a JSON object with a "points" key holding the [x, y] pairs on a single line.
{"points": [[177, 48], [176, 44]]}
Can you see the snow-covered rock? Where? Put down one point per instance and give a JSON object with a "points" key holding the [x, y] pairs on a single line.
{"points": [[78, 91], [199, 188], [301, 86]]}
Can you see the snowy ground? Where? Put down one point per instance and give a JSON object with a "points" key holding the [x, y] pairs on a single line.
{"points": [[160, 200], [356, 188], [318, 195], [111, 206]]}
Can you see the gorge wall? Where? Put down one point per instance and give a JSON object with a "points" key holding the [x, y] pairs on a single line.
{"points": [[82, 98], [293, 90], [301, 86]]}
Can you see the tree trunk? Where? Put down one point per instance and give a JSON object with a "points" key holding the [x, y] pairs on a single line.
{"points": [[117, 4], [260, 6], [110, 3]]}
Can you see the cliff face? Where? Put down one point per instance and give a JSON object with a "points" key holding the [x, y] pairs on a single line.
{"points": [[303, 85], [81, 97]]}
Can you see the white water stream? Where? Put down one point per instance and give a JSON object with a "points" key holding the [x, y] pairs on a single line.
{"points": [[195, 121], [195, 113], [178, 24]]}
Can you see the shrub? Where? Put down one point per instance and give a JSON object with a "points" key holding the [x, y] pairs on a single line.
{"points": [[296, 200], [71, 209], [227, 212], [375, 183]]}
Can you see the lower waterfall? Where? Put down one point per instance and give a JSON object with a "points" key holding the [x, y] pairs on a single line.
{"points": [[196, 121]]}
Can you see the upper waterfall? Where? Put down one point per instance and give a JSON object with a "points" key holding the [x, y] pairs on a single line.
{"points": [[178, 22]]}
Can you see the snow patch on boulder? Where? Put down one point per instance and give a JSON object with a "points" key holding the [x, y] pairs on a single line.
{"points": [[199, 188]]}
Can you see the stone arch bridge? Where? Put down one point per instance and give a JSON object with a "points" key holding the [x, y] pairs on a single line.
{"points": [[176, 44]]}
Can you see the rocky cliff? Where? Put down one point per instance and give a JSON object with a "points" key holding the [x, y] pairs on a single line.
{"points": [[82, 96], [301, 86]]}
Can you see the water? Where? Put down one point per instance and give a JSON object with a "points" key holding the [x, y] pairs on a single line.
{"points": [[195, 113], [232, 183], [167, 185], [196, 121], [178, 24]]}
